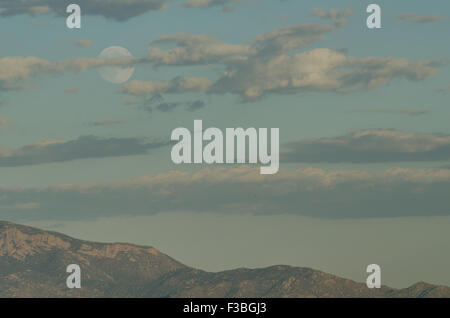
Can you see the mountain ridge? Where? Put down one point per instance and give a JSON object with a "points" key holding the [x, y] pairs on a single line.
{"points": [[33, 264]]}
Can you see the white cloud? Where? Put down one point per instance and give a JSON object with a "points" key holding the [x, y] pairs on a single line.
{"points": [[316, 70], [270, 65], [194, 49], [16, 69]]}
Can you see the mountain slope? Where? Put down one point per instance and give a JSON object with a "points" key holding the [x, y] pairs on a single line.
{"points": [[33, 264]]}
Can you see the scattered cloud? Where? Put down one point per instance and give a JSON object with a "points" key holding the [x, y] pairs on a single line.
{"points": [[158, 102], [15, 69], [168, 107], [153, 99], [106, 122], [320, 70], [190, 106], [444, 89], [119, 10], [20, 206], [83, 43], [194, 49], [410, 112], [71, 90], [207, 3], [177, 85], [50, 151], [196, 105], [4, 121], [371, 146], [270, 65], [338, 17], [281, 41], [130, 101], [82, 64], [228, 9], [414, 112], [311, 192], [412, 17]]}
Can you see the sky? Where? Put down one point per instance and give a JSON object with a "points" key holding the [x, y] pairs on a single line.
{"points": [[363, 117]]}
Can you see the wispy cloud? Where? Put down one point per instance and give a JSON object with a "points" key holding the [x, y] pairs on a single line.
{"points": [[20, 206], [120, 10], [16, 69], [444, 89], [412, 17], [195, 105], [4, 121], [84, 147], [192, 49], [270, 65], [208, 3], [158, 102], [409, 112], [370, 146], [84, 43], [71, 90], [320, 70], [339, 17], [177, 85], [106, 122]]}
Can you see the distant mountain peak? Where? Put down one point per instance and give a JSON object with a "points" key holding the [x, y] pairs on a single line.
{"points": [[33, 264]]}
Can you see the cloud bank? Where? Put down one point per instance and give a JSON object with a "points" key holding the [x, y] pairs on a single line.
{"points": [[84, 147], [371, 146], [311, 192]]}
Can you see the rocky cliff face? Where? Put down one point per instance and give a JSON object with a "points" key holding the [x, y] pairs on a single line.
{"points": [[33, 264]]}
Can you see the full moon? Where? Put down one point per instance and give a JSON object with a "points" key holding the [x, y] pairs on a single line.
{"points": [[115, 74]]}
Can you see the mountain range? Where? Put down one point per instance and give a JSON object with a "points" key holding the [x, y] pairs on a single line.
{"points": [[33, 264]]}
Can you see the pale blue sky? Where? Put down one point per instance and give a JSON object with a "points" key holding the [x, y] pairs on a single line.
{"points": [[44, 111], [413, 113]]}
